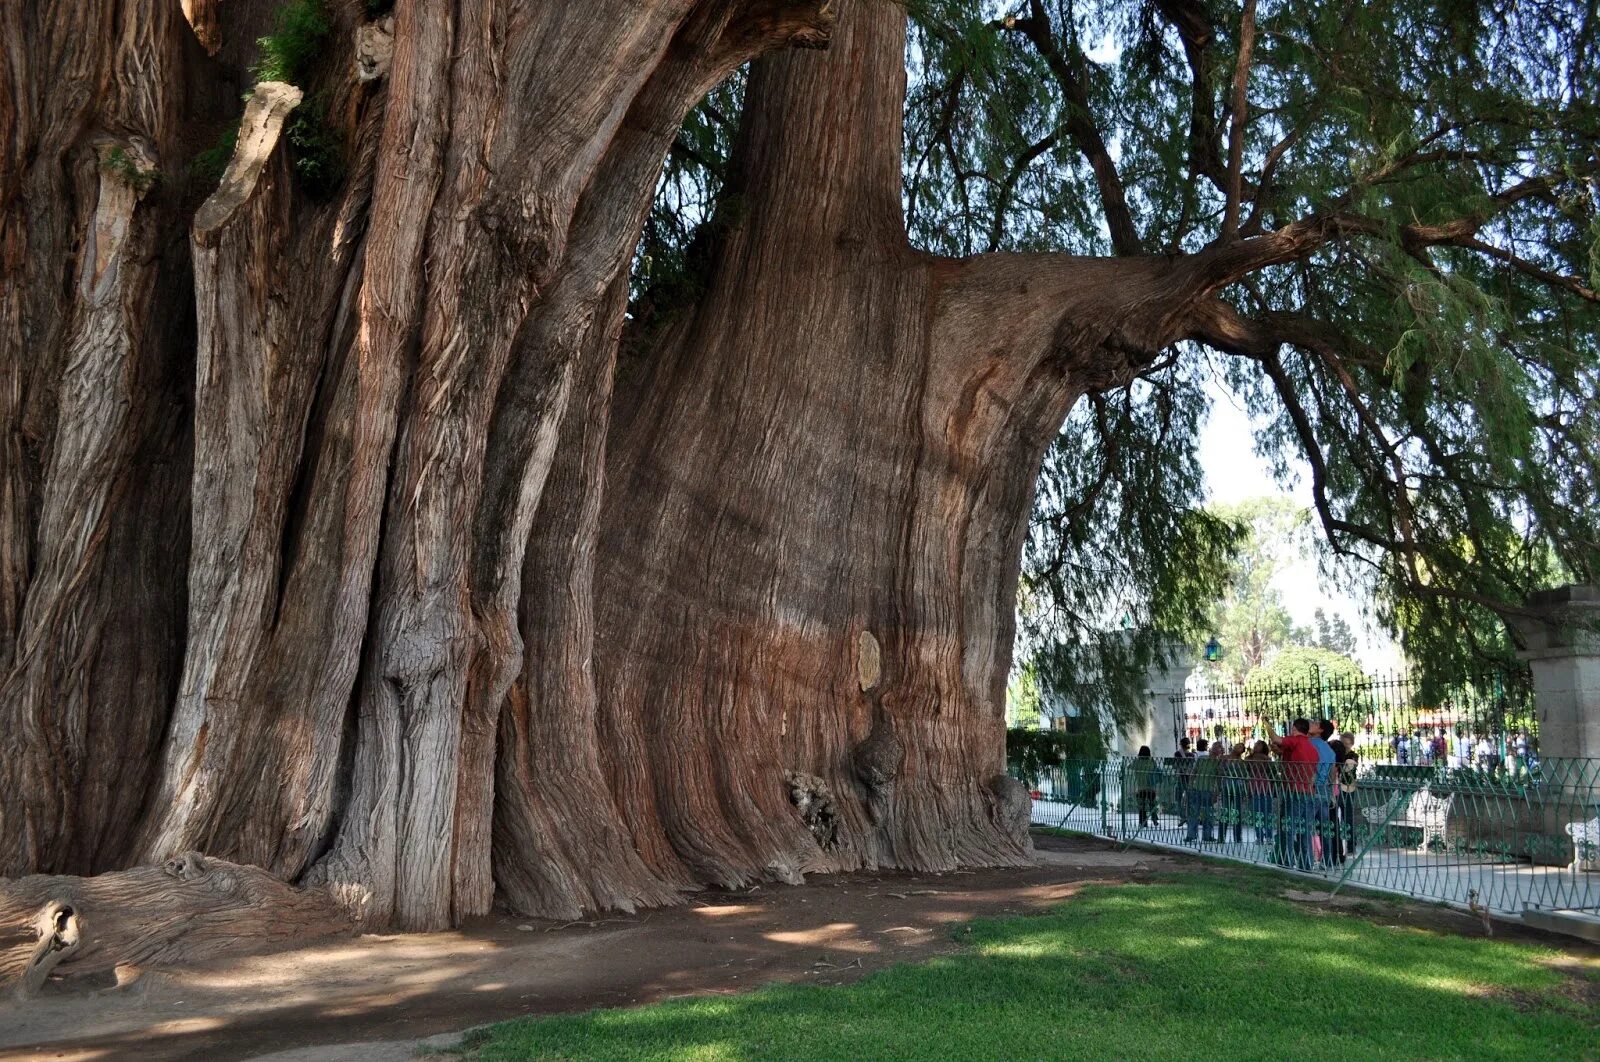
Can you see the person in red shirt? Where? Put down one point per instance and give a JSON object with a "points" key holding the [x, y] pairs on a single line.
{"points": [[1299, 756], [1306, 766]]}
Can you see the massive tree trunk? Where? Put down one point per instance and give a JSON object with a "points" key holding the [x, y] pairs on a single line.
{"points": [[470, 601]]}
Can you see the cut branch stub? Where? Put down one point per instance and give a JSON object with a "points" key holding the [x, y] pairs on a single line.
{"points": [[259, 131], [185, 910]]}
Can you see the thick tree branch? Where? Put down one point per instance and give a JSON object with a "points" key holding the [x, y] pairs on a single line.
{"points": [[1192, 23], [1522, 265], [1071, 77], [1239, 119]]}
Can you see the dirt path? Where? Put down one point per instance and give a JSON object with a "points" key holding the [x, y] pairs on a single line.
{"points": [[385, 992]]}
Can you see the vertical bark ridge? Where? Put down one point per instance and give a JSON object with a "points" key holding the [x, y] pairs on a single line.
{"points": [[257, 725], [85, 616], [442, 653], [560, 846]]}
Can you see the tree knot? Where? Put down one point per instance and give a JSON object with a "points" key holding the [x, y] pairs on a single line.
{"points": [[1012, 805], [814, 800], [190, 866]]}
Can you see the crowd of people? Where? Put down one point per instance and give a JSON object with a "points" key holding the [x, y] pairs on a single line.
{"points": [[1296, 792]]}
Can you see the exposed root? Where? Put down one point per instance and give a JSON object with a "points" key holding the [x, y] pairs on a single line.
{"points": [[188, 909]]}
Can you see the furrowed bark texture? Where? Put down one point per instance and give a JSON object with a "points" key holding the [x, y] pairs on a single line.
{"points": [[472, 604], [835, 445], [186, 910], [92, 448]]}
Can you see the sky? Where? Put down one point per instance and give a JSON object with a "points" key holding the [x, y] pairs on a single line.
{"points": [[1235, 472]]}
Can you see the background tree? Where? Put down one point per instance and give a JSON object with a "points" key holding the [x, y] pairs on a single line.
{"points": [[1330, 631], [1311, 682], [1250, 619]]}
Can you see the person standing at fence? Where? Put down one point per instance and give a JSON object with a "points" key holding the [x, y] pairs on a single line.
{"points": [[1234, 797], [1142, 773], [1308, 761], [1183, 774], [1338, 819], [1348, 781], [1203, 793], [1260, 781]]}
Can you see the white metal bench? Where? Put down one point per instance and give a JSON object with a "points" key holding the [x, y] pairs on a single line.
{"points": [[1585, 844], [1423, 811]]}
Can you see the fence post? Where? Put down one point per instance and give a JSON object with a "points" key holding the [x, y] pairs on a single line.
{"points": [[1562, 647]]}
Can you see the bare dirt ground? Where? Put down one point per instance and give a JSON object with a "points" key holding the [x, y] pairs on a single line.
{"points": [[374, 997], [384, 992]]}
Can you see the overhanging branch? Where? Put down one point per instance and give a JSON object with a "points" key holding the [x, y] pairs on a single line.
{"points": [[1070, 73]]}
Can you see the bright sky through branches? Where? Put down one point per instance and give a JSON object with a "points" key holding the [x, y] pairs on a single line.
{"points": [[1235, 472]]}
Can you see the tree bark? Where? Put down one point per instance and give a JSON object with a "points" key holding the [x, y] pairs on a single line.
{"points": [[473, 604], [93, 504]]}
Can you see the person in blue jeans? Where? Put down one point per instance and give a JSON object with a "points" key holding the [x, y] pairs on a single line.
{"points": [[1203, 792], [1262, 779], [1308, 774]]}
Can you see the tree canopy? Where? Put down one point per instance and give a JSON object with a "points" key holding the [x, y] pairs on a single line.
{"points": [[1407, 197], [1402, 199]]}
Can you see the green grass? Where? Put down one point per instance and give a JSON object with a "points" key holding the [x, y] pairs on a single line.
{"points": [[1194, 967]]}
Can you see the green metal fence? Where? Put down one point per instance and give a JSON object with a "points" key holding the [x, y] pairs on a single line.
{"points": [[1487, 723], [1459, 835]]}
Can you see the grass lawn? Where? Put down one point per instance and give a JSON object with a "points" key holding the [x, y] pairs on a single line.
{"points": [[1195, 967]]}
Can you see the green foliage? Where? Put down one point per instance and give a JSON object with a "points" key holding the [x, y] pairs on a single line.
{"points": [[299, 32], [120, 165], [1197, 967], [1310, 682], [209, 165], [314, 149], [1031, 752]]}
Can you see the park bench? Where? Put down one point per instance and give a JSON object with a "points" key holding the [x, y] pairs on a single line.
{"points": [[1585, 844], [1423, 811]]}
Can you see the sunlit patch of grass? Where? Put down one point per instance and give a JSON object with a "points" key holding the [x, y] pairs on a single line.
{"points": [[1200, 967]]}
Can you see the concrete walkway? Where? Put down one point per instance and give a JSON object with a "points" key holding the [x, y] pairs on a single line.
{"points": [[1506, 888]]}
